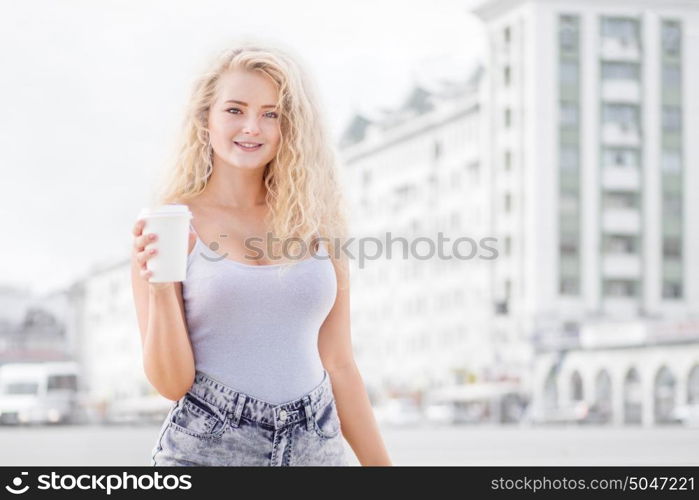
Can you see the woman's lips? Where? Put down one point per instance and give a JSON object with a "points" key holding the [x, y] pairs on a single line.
{"points": [[244, 148]]}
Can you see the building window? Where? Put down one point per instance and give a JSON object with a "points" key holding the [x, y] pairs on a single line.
{"points": [[569, 154], [620, 71], [437, 150], [569, 72], [671, 160], [672, 290], [671, 75], [507, 161], [507, 202], [569, 114], [569, 203], [569, 286], [672, 247], [672, 118], [620, 288], [672, 38], [501, 307], [506, 76], [473, 171], [625, 30], [620, 199], [506, 35], [569, 246], [620, 244], [625, 116], [569, 157], [403, 195], [620, 157], [672, 205], [508, 117], [568, 33]]}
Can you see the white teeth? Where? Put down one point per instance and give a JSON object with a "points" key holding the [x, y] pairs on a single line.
{"points": [[248, 144]]}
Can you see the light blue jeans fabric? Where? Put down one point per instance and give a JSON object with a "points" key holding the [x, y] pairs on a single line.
{"points": [[215, 425]]}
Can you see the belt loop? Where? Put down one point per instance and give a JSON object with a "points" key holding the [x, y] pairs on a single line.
{"points": [[309, 412], [240, 403]]}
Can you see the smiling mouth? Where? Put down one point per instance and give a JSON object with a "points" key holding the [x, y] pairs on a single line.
{"points": [[248, 147]]}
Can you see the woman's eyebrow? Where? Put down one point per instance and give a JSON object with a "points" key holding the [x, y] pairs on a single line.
{"points": [[245, 103]]}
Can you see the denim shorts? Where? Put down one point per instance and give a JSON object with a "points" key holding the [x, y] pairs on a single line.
{"points": [[215, 425]]}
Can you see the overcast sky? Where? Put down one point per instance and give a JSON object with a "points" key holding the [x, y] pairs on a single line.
{"points": [[93, 94]]}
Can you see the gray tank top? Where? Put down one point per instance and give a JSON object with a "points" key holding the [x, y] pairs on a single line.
{"points": [[255, 328]]}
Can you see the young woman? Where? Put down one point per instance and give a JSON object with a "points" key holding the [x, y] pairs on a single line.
{"points": [[254, 346]]}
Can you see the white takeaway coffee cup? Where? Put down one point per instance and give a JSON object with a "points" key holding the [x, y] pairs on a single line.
{"points": [[171, 224]]}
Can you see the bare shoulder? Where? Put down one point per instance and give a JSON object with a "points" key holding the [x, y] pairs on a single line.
{"points": [[195, 206]]}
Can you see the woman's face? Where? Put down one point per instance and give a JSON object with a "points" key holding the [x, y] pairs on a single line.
{"points": [[244, 111]]}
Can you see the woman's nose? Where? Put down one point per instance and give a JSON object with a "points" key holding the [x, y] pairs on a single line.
{"points": [[251, 126]]}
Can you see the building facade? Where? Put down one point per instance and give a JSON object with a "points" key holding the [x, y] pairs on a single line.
{"points": [[419, 309], [591, 105], [585, 113], [110, 352]]}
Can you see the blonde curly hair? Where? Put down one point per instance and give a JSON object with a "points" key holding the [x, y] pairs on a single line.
{"points": [[303, 192]]}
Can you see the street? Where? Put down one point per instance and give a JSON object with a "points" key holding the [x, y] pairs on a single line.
{"points": [[464, 445]]}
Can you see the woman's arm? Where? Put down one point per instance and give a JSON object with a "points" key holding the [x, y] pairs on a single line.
{"points": [[168, 360], [358, 424]]}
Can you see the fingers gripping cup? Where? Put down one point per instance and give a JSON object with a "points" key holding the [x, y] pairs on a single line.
{"points": [[171, 224]]}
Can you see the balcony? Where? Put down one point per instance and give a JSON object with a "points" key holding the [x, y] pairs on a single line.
{"points": [[619, 49], [621, 221], [621, 178], [614, 134], [621, 266], [621, 91]]}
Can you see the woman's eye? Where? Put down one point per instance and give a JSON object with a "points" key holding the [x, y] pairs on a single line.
{"points": [[275, 115]]}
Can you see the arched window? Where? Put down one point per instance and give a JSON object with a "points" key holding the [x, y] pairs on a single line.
{"points": [[576, 386], [633, 400], [664, 395], [693, 386]]}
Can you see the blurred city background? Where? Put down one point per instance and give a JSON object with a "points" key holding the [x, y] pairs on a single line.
{"points": [[561, 129]]}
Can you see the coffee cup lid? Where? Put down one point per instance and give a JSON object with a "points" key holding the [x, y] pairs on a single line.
{"points": [[165, 210]]}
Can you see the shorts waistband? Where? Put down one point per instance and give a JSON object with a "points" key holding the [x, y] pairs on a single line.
{"points": [[237, 404]]}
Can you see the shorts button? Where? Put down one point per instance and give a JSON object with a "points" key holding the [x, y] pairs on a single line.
{"points": [[282, 415]]}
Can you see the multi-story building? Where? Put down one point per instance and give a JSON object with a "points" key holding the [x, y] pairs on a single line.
{"points": [[418, 317], [590, 116], [110, 353], [34, 329], [591, 105], [584, 159]]}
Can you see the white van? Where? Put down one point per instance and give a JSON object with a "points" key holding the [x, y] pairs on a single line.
{"points": [[38, 393]]}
